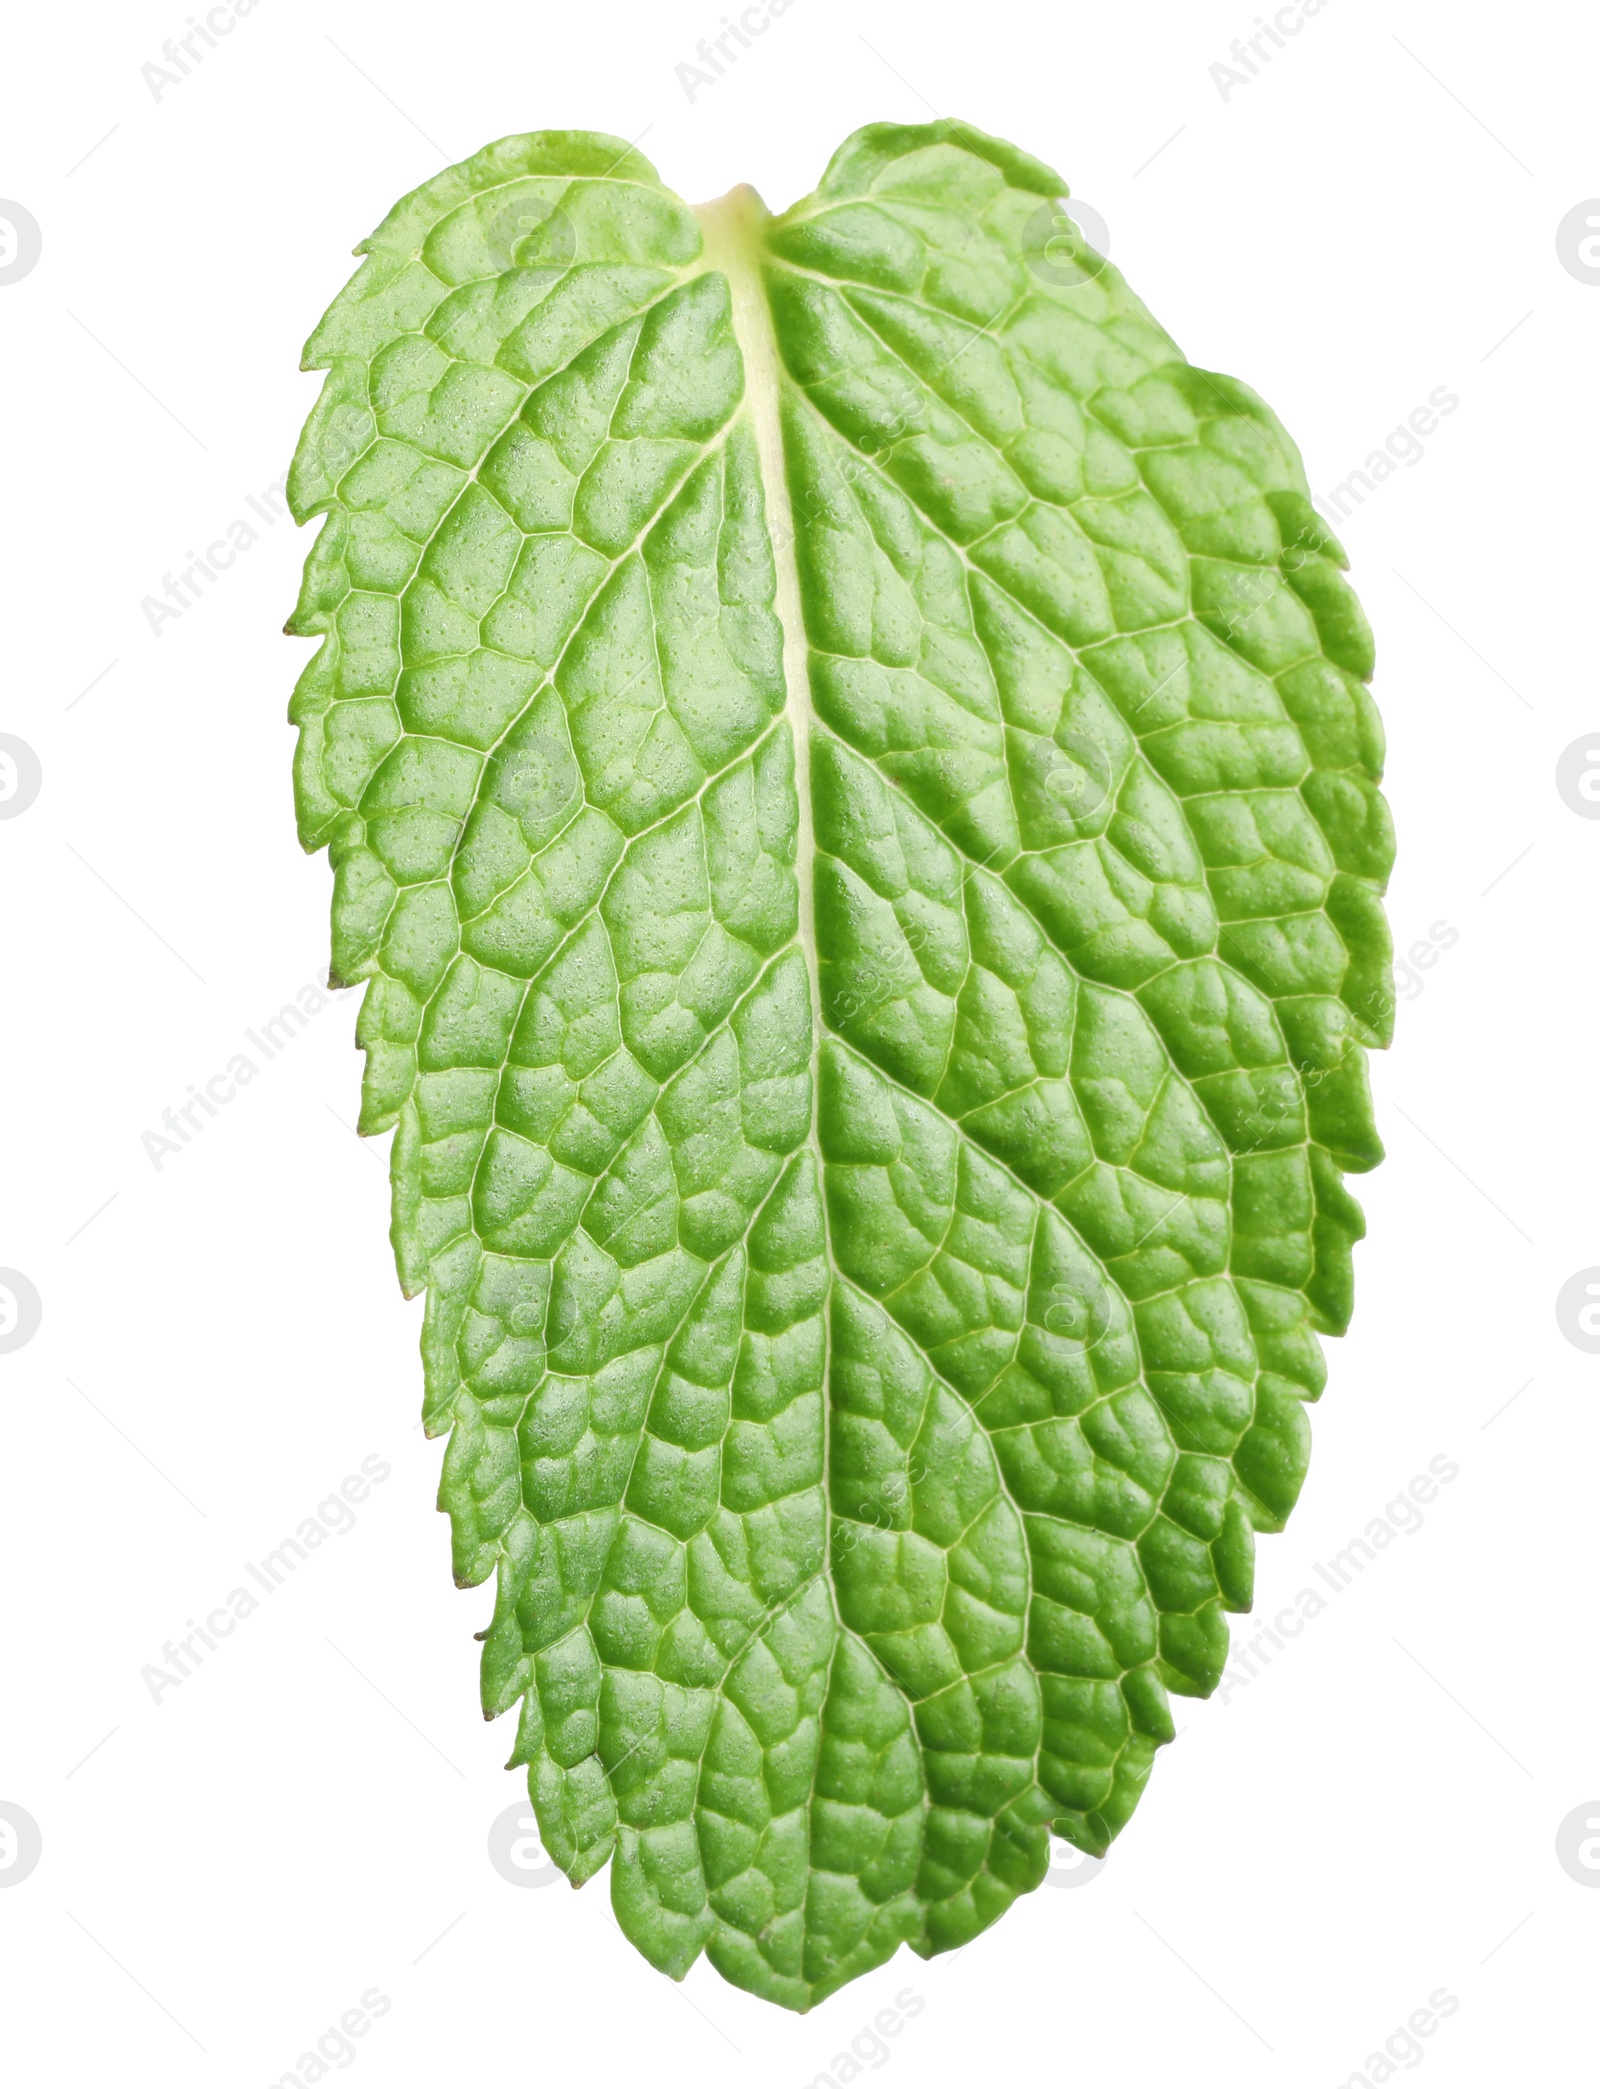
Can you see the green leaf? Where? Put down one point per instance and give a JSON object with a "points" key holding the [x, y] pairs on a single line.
{"points": [[849, 780]]}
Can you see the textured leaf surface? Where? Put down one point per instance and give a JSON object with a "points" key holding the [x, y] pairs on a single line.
{"points": [[849, 779]]}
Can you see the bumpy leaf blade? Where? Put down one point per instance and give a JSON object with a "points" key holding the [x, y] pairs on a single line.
{"points": [[849, 779]]}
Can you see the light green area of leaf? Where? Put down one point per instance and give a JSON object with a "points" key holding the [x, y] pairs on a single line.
{"points": [[850, 784]]}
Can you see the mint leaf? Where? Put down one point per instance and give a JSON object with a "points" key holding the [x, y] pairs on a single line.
{"points": [[849, 781]]}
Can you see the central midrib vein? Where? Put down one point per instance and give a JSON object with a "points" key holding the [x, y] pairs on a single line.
{"points": [[732, 230]]}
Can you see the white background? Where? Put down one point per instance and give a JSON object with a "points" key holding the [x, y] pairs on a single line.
{"points": [[1374, 1816]]}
